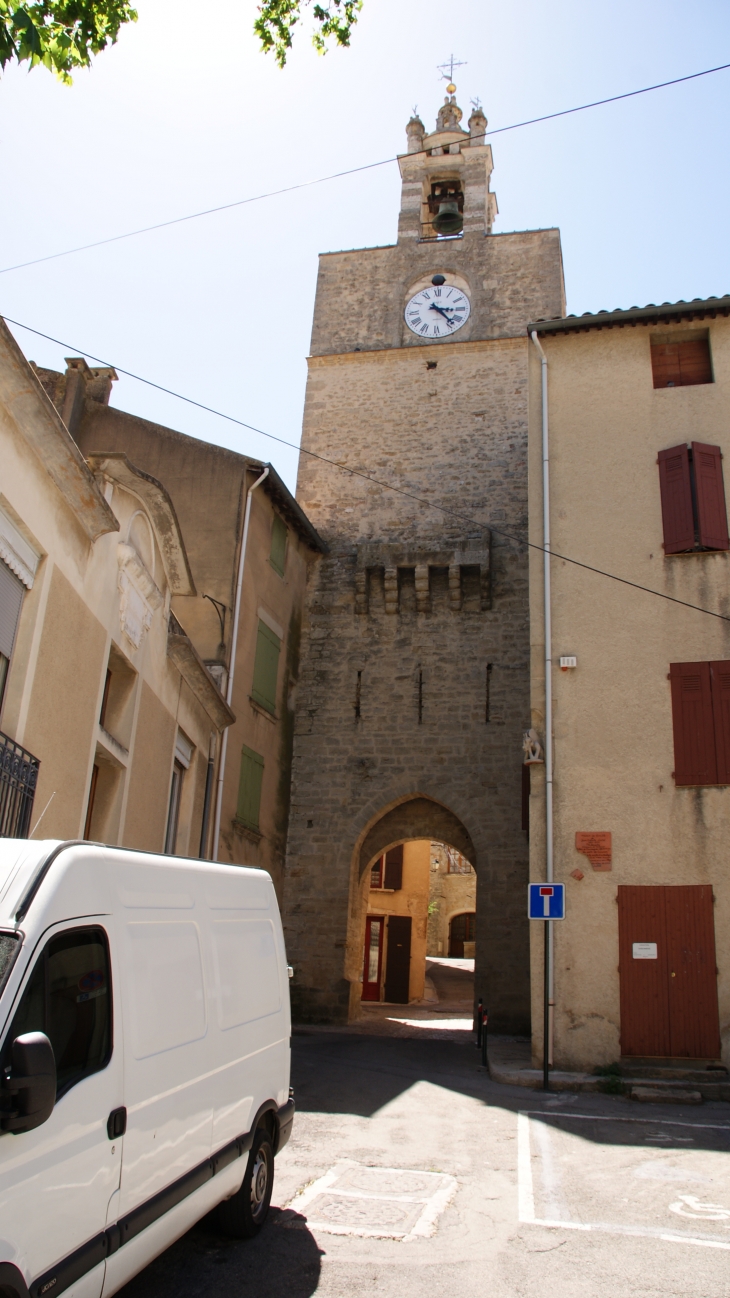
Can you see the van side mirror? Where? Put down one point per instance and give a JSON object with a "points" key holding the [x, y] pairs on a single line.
{"points": [[31, 1081]]}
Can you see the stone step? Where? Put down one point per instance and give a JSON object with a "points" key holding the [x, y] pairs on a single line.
{"points": [[675, 1071], [665, 1095]]}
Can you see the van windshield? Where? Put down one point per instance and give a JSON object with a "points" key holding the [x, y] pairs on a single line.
{"points": [[9, 947]]}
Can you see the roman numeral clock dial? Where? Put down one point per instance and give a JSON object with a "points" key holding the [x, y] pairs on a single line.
{"points": [[437, 312]]}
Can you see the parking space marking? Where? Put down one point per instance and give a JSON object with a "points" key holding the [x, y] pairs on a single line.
{"points": [[526, 1194]]}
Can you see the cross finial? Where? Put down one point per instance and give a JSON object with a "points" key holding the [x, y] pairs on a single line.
{"points": [[449, 75], [415, 110], [476, 104]]}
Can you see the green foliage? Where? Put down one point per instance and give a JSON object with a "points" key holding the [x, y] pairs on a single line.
{"points": [[277, 19], [60, 34], [610, 1083]]}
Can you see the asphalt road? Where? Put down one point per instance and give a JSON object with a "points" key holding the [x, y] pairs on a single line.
{"points": [[580, 1197]]}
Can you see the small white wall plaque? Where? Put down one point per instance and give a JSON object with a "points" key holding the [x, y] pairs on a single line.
{"points": [[644, 950]]}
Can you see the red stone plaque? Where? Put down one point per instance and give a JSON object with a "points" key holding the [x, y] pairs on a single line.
{"points": [[597, 847]]}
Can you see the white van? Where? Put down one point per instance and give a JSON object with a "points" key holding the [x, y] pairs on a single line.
{"points": [[144, 1059]]}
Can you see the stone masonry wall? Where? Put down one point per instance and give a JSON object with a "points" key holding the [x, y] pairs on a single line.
{"points": [[414, 678]]}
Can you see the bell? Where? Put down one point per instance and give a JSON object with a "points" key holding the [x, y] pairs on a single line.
{"points": [[448, 219]]}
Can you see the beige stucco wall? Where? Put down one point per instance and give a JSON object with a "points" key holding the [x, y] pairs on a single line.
{"points": [[613, 743]]}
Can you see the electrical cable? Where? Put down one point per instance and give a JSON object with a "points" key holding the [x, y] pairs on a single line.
{"points": [[338, 175], [360, 473]]}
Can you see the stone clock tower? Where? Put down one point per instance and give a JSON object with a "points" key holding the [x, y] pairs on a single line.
{"points": [[413, 692]]}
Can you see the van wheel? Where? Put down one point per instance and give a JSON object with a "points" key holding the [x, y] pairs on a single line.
{"points": [[244, 1214]]}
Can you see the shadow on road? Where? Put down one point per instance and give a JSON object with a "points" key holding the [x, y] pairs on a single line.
{"points": [[340, 1073], [284, 1261]]}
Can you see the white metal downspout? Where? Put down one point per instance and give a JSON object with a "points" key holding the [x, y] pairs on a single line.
{"points": [[232, 666], [548, 672]]}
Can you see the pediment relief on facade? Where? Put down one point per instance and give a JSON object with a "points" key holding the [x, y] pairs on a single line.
{"points": [[139, 596], [394, 578]]}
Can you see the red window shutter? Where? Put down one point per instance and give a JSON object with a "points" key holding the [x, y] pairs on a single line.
{"points": [[665, 365], [676, 493], [720, 675], [711, 508], [695, 760], [394, 868], [695, 365]]}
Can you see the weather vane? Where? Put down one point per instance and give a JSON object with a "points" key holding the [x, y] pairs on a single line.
{"points": [[449, 75]]}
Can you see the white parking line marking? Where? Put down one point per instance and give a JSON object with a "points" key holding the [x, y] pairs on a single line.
{"points": [[526, 1196], [524, 1170]]}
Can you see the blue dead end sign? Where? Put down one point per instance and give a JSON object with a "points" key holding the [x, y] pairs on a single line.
{"points": [[546, 900]]}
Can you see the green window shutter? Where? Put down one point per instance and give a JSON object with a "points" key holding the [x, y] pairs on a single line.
{"points": [[278, 545], [266, 667], [249, 788]]}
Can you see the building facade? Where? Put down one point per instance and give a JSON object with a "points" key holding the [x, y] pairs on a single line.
{"points": [[639, 437], [245, 612], [414, 688], [107, 712]]}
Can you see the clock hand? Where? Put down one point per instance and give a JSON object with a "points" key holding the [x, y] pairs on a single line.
{"points": [[441, 310]]}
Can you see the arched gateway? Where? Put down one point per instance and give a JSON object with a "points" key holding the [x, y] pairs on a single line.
{"points": [[413, 690]]}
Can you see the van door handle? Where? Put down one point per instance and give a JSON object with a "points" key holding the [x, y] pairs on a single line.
{"points": [[116, 1123]]}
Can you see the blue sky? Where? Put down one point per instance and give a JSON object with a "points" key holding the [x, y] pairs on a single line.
{"points": [[170, 121]]}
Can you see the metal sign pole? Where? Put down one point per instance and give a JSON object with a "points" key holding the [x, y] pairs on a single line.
{"points": [[546, 1010]]}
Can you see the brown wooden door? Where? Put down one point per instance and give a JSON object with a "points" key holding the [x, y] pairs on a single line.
{"points": [[372, 968], [669, 1000], [461, 929], [398, 960]]}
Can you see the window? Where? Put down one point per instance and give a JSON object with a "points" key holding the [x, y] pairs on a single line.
{"points": [[701, 720], [387, 871], [694, 514], [278, 545], [266, 667], [249, 788], [69, 998], [11, 599], [680, 362], [173, 811]]}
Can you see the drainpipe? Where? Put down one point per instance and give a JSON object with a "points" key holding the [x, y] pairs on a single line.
{"points": [[548, 684], [232, 666]]}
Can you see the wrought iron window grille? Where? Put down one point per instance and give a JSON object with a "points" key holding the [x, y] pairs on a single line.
{"points": [[18, 780]]}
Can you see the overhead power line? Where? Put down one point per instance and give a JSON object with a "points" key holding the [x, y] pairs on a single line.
{"points": [[352, 171], [367, 477]]}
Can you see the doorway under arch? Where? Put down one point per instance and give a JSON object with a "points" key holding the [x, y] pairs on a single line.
{"points": [[410, 874], [462, 935]]}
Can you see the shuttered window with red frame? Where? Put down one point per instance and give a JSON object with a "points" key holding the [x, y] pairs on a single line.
{"points": [[694, 512], [701, 721], [675, 485], [710, 497]]}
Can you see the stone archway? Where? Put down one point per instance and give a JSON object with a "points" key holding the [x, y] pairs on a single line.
{"points": [[419, 817], [414, 818]]}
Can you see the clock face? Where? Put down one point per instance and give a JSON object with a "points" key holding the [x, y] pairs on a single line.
{"points": [[437, 312]]}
